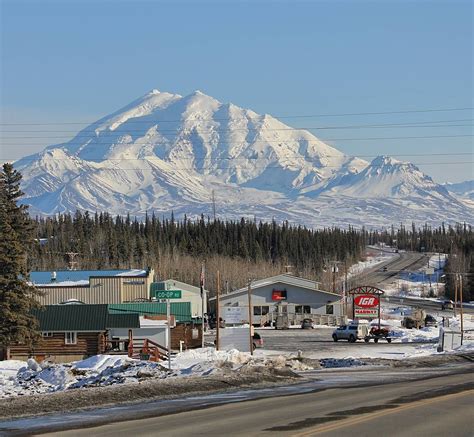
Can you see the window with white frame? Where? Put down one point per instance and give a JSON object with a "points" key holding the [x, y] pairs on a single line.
{"points": [[70, 337]]}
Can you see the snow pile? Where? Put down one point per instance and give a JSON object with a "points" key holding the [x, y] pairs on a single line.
{"points": [[18, 378], [101, 370]]}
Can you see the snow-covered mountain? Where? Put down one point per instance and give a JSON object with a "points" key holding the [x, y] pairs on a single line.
{"points": [[167, 152], [463, 189]]}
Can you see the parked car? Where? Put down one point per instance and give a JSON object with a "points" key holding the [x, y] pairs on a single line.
{"points": [[307, 324], [351, 333], [257, 341], [447, 305], [384, 268], [430, 321]]}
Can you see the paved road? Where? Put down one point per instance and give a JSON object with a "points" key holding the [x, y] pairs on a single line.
{"points": [[409, 261], [431, 407]]}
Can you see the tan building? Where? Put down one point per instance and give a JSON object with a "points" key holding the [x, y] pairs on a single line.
{"points": [[93, 287]]}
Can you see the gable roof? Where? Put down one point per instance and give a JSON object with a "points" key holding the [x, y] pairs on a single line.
{"points": [[60, 318], [283, 278]]}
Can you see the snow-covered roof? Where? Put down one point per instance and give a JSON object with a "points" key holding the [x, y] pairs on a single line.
{"points": [[283, 278], [78, 277]]}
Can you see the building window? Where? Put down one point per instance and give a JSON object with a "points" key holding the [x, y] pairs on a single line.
{"points": [[329, 309], [303, 309], [70, 338], [46, 334], [257, 311], [265, 310]]}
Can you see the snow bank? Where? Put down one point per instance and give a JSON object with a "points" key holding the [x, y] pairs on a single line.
{"points": [[20, 378]]}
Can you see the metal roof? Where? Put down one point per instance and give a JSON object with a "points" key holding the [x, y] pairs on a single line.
{"points": [[181, 310], [61, 318], [44, 278], [283, 278]]}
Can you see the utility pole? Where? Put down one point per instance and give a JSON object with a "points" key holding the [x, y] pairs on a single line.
{"points": [[249, 292], [218, 318], [203, 302], [461, 310], [455, 294], [334, 271], [214, 205]]}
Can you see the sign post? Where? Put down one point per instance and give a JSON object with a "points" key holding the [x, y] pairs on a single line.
{"points": [[168, 317], [250, 316]]}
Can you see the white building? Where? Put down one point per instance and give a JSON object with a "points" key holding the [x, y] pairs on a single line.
{"points": [[299, 298]]}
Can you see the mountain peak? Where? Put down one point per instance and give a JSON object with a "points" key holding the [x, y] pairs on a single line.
{"points": [[167, 152], [384, 160]]}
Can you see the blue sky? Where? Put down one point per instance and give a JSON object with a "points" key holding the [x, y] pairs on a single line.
{"points": [[79, 60]]}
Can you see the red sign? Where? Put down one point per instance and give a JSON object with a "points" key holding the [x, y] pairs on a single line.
{"points": [[366, 301], [279, 295]]}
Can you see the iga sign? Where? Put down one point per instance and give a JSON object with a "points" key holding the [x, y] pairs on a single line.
{"points": [[366, 301]]}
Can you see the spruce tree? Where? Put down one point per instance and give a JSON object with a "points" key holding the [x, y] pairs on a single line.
{"points": [[17, 296]]}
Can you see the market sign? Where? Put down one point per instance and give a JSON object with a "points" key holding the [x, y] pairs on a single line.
{"points": [[168, 294], [364, 313], [366, 300], [279, 295]]}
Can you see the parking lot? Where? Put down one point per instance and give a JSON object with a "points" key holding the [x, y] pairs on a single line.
{"points": [[318, 343]]}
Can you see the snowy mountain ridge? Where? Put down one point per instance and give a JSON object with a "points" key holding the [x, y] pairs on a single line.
{"points": [[167, 152]]}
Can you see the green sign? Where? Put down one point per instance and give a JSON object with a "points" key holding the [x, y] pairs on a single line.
{"points": [[168, 294]]}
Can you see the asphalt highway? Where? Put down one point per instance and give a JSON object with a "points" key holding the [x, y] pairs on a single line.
{"points": [[436, 407], [402, 261]]}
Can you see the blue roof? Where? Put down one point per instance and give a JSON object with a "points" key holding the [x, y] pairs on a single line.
{"points": [[77, 275]]}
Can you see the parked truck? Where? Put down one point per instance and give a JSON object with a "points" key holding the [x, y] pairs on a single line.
{"points": [[415, 320]]}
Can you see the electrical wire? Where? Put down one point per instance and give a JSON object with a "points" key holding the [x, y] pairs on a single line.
{"points": [[349, 114]]}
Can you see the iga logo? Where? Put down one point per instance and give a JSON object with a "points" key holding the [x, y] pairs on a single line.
{"points": [[366, 301]]}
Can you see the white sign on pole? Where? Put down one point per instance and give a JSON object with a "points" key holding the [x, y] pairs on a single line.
{"points": [[233, 315], [429, 271], [235, 338]]}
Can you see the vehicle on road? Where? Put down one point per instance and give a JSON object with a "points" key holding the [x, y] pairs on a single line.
{"points": [[307, 324], [447, 305], [351, 333], [384, 269]]}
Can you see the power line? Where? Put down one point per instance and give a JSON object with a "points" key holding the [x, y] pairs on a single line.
{"points": [[157, 143], [113, 134], [151, 168], [404, 124], [414, 111], [230, 158]]}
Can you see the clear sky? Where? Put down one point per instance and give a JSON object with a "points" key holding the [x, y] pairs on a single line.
{"points": [[79, 60]]}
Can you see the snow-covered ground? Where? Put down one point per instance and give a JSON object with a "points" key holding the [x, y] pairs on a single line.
{"points": [[370, 261], [419, 284]]}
